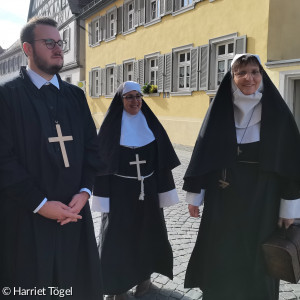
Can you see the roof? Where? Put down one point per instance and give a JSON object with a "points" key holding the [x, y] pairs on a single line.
{"points": [[77, 5]]}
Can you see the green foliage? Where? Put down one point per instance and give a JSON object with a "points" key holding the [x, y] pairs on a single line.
{"points": [[149, 88]]}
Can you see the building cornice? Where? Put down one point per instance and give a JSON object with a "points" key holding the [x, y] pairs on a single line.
{"points": [[93, 7], [282, 63]]}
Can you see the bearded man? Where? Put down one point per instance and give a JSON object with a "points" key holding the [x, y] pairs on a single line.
{"points": [[48, 161]]}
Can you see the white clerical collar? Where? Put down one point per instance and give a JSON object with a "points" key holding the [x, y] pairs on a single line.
{"points": [[135, 130], [39, 81], [247, 108]]}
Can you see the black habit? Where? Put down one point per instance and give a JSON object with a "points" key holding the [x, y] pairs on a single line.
{"points": [[133, 236], [227, 261], [36, 251]]}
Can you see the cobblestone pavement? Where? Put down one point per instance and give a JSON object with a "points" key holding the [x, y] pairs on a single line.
{"points": [[182, 231]]}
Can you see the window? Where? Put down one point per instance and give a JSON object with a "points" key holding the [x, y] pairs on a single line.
{"points": [[184, 70], [95, 83], [153, 69], [110, 81], [184, 3], [97, 31], [66, 38], [154, 9], [224, 56], [111, 19], [129, 71], [130, 15], [220, 55]]}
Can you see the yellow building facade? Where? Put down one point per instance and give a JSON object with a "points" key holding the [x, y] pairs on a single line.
{"points": [[185, 47]]}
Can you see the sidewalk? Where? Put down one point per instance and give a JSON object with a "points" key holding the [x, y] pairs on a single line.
{"points": [[182, 231]]}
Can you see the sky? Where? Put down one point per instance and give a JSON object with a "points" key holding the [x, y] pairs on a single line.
{"points": [[13, 15]]}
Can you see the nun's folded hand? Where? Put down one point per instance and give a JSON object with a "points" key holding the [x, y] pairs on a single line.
{"points": [[194, 211]]}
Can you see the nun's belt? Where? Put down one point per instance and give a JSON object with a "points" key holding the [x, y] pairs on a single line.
{"points": [[142, 194]]}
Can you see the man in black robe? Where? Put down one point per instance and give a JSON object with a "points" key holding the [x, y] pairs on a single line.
{"points": [[48, 160]]}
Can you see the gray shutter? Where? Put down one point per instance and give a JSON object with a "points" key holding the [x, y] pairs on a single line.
{"points": [[90, 35], [240, 44], [194, 69], [135, 72], [169, 7], [119, 75], [203, 66], [146, 71], [168, 72], [102, 22], [177, 5], [147, 7], [120, 20], [100, 78], [115, 21], [136, 13], [115, 78], [107, 23], [174, 81], [90, 83], [162, 7], [103, 81], [142, 12], [125, 19], [160, 73], [141, 72]]}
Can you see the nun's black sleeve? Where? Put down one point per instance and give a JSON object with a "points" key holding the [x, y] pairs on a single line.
{"points": [[165, 180], [102, 186]]}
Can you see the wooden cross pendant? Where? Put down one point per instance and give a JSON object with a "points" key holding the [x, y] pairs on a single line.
{"points": [[138, 162], [61, 139]]}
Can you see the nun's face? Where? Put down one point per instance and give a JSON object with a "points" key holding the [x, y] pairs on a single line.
{"points": [[132, 102], [248, 78]]}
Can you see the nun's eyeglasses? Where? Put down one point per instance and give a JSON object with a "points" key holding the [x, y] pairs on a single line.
{"points": [[242, 74], [131, 97]]}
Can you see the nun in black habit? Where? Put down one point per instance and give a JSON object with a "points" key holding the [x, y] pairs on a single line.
{"points": [[131, 192], [246, 168]]}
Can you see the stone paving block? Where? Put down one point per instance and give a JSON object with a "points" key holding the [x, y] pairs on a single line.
{"points": [[162, 279], [288, 296], [285, 288], [194, 294], [176, 295]]}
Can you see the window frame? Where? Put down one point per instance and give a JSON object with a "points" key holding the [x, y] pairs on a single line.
{"points": [[94, 92]]}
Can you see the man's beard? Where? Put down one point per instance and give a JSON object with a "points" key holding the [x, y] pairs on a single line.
{"points": [[44, 66]]}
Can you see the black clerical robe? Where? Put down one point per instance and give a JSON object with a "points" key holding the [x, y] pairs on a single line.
{"points": [[133, 235], [227, 261], [35, 251]]}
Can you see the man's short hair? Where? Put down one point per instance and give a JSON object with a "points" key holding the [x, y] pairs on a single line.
{"points": [[27, 32]]}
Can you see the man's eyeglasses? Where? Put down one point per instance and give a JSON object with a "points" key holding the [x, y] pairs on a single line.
{"points": [[253, 74], [50, 43], [131, 97]]}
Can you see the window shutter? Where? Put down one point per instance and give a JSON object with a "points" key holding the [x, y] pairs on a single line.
{"points": [[135, 71], [125, 19], [203, 67], [194, 69], [107, 21], [115, 21], [120, 20], [168, 72], [142, 12], [141, 72], [115, 78], [103, 28], [169, 7], [160, 73], [136, 13], [174, 72], [103, 81], [90, 83], [90, 34], [100, 85], [119, 75], [162, 7], [240, 44], [147, 11], [177, 5]]}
